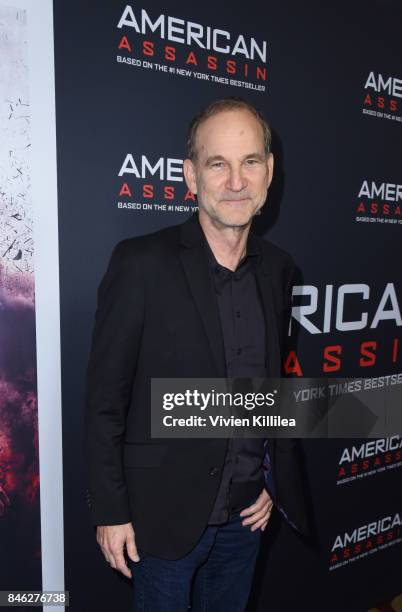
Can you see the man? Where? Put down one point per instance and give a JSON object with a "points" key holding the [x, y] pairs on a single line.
{"points": [[205, 299]]}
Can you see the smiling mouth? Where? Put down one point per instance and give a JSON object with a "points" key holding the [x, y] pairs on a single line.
{"points": [[236, 201]]}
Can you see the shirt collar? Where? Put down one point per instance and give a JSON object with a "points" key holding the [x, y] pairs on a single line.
{"points": [[249, 263]]}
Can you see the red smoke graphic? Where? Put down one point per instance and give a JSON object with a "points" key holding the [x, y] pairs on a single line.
{"points": [[19, 450], [19, 473]]}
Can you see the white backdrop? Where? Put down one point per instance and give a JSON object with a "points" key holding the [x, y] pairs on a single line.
{"points": [[32, 77]]}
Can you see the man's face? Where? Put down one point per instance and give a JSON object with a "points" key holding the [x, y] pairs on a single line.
{"points": [[231, 173]]}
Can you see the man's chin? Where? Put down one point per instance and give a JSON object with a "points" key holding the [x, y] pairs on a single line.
{"points": [[239, 220], [229, 218]]}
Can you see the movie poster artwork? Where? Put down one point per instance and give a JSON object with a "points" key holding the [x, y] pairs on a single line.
{"points": [[20, 567]]}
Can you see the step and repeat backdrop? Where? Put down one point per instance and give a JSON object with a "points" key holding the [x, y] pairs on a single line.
{"points": [[128, 79]]}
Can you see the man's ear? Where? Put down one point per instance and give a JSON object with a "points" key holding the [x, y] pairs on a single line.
{"points": [[189, 175], [270, 166]]}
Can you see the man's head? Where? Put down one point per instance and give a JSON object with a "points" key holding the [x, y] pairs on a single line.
{"points": [[229, 164]]}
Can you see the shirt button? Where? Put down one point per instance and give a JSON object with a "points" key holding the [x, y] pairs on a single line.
{"points": [[238, 314], [213, 471], [239, 351]]}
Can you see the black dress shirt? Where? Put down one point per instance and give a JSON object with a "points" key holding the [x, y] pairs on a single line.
{"points": [[243, 328]]}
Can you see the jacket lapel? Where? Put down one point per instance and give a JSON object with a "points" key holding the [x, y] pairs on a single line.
{"points": [[271, 324], [196, 268]]}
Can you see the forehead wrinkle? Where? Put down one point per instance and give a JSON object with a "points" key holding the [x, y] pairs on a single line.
{"points": [[207, 129]]}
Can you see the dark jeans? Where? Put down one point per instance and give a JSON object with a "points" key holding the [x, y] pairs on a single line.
{"points": [[215, 576]]}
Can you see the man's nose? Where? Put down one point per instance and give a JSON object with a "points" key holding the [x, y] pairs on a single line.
{"points": [[236, 179]]}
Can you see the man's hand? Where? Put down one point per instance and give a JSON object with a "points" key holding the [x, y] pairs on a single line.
{"points": [[111, 539], [259, 512]]}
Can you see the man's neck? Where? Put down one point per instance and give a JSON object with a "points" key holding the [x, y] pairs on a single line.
{"points": [[228, 244]]}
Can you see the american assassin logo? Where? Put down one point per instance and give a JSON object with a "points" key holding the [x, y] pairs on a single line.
{"points": [[366, 539], [328, 309], [369, 458], [186, 44]]}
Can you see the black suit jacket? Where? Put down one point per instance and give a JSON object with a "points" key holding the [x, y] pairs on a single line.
{"points": [[157, 316]]}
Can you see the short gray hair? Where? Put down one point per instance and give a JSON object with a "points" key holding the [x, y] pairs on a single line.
{"points": [[219, 106]]}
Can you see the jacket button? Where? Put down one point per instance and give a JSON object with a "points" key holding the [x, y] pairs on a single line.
{"points": [[213, 471]]}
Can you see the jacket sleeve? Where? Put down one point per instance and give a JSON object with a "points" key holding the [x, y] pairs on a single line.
{"points": [[112, 363]]}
